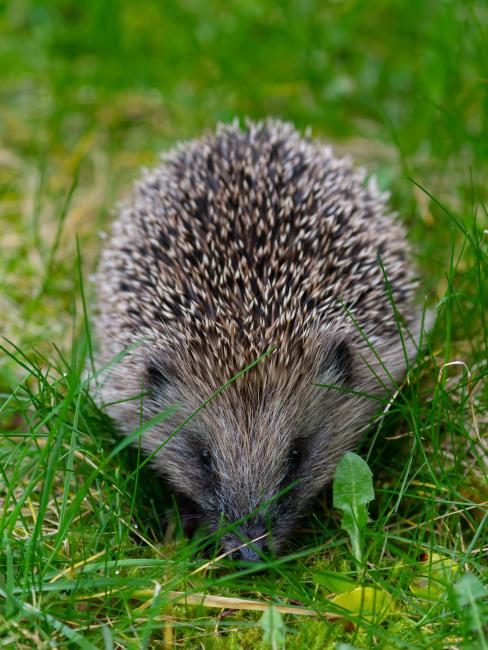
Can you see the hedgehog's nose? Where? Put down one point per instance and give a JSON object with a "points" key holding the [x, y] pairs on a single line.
{"points": [[250, 554], [249, 542]]}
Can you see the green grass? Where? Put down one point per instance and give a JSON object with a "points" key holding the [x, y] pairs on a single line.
{"points": [[90, 92]]}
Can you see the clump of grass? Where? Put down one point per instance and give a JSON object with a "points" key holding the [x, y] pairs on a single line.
{"points": [[91, 551]]}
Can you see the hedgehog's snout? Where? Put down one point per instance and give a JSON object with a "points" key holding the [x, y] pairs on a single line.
{"points": [[247, 554], [248, 543]]}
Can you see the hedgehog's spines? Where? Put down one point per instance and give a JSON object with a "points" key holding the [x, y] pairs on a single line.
{"points": [[244, 241]]}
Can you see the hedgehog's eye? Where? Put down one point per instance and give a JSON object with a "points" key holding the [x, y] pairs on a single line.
{"points": [[296, 455], [294, 458], [206, 459]]}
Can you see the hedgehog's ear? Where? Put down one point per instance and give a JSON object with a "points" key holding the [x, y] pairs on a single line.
{"points": [[156, 375], [337, 363]]}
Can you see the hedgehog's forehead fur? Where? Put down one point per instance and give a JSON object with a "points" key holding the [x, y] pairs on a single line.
{"points": [[240, 243]]}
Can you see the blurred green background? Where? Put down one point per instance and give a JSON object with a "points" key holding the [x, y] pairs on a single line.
{"points": [[92, 90], [392, 70]]}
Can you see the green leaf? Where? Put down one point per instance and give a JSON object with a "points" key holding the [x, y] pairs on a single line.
{"points": [[470, 592], [107, 637], [336, 583], [273, 628], [434, 576], [374, 605], [352, 491]]}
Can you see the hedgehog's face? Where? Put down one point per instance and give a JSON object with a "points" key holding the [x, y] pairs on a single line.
{"points": [[253, 458]]}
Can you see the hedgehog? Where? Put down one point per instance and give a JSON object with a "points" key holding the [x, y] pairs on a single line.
{"points": [[256, 311]]}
